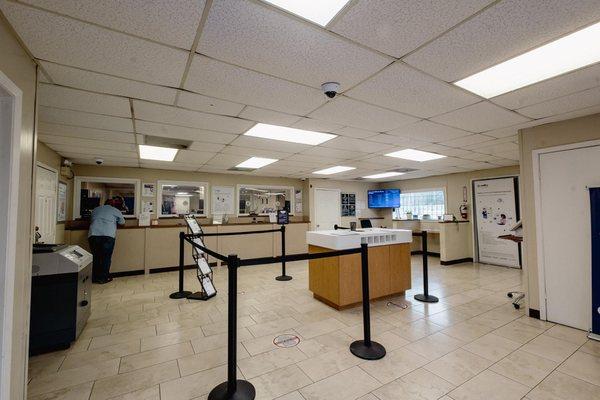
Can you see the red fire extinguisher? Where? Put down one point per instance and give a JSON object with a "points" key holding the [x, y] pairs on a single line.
{"points": [[463, 211]]}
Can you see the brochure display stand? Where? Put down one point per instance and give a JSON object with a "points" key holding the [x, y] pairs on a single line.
{"points": [[203, 271]]}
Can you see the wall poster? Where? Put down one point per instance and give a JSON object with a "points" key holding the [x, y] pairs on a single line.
{"points": [[222, 200], [348, 204], [298, 201], [61, 209], [496, 210], [148, 190]]}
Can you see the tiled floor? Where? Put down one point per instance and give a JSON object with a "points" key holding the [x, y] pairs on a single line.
{"points": [[139, 344]]}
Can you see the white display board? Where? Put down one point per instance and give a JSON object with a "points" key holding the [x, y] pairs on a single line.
{"points": [[223, 200], [495, 211]]}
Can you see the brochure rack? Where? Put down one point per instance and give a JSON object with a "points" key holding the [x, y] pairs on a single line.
{"points": [[203, 271]]}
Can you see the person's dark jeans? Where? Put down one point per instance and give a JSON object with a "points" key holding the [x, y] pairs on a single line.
{"points": [[102, 248]]}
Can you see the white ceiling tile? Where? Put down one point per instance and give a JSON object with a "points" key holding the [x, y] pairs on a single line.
{"points": [[171, 22], [268, 116], [226, 160], [181, 132], [207, 104], [67, 41], [504, 30], [466, 140], [91, 152], [315, 160], [480, 117], [251, 35], [311, 124], [346, 111], [475, 165], [206, 147], [354, 132], [85, 133], [168, 165], [254, 152], [78, 118], [108, 162], [346, 143], [192, 119], [398, 27], [497, 148], [388, 139], [402, 88], [429, 131], [565, 116], [213, 78], [92, 144], [504, 132], [549, 89], [102, 83], [505, 162], [193, 157], [79, 100], [268, 144], [511, 155], [334, 153], [561, 105], [473, 156]]}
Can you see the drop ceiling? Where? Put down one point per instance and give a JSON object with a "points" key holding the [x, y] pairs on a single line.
{"points": [[113, 72]]}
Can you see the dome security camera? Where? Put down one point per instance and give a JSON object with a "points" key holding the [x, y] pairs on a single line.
{"points": [[99, 161], [330, 89]]}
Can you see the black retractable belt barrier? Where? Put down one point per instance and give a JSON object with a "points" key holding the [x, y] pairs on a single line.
{"points": [[425, 296], [180, 294], [233, 388], [366, 348], [283, 276]]}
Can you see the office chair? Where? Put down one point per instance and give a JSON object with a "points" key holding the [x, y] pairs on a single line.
{"points": [[365, 223]]}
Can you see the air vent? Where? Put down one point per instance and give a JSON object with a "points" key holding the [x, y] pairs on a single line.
{"points": [[167, 142], [403, 170], [241, 169]]}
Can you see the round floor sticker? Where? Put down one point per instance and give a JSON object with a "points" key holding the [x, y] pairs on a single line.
{"points": [[286, 340]]}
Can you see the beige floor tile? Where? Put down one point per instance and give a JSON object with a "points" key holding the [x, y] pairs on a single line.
{"points": [[263, 344], [309, 331], [273, 327], [357, 332], [184, 335], [346, 385], [458, 366], [394, 365], [416, 330], [45, 364], [559, 386], [328, 364], [207, 360], [156, 356], [90, 332], [583, 366], [279, 382], [221, 326], [129, 326], [369, 396], [519, 332], [447, 318], [489, 386], [107, 340], [524, 367], [79, 392], [260, 364], [390, 340], [492, 347], [152, 393], [112, 386], [568, 334], [107, 353], [467, 331], [292, 396], [418, 385], [550, 348], [192, 386], [435, 346], [538, 323], [325, 343], [591, 347]]}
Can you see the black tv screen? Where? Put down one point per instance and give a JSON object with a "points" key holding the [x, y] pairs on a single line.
{"points": [[384, 198]]}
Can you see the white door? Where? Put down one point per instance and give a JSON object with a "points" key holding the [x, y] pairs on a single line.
{"points": [[566, 236], [327, 208], [46, 186]]}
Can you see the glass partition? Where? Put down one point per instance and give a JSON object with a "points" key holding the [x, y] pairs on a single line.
{"points": [[176, 198], [262, 200], [91, 192]]}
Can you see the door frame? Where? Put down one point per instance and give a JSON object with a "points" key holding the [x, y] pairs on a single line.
{"points": [[49, 168], [537, 198], [339, 193], [9, 234]]}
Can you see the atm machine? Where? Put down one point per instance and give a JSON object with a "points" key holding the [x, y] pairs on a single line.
{"points": [[61, 290]]}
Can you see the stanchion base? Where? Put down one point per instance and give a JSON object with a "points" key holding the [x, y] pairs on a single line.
{"points": [[180, 295], [283, 278], [426, 298], [199, 296], [373, 352], [245, 391]]}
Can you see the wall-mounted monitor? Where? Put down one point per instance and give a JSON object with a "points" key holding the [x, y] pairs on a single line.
{"points": [[384, 198]]}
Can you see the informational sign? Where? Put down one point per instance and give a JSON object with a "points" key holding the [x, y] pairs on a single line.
{"points": [[495, 202], [286, 340], [148, 206], [148, 189], [222, 200], [283, 217], [298, 202], [348, 204], [61, 209], [144, 219]]}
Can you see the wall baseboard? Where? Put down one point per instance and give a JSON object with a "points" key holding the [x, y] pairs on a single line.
{"points": [[460, 260], [429, 253], [533, 313]]}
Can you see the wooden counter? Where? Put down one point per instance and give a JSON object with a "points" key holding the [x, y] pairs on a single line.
{"points": [[336, 281]]}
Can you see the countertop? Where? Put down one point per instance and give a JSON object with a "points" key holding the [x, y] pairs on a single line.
{"points": [[346, 239], [84, 225]]}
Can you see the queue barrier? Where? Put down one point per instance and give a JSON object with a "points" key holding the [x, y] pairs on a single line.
{"points": [[425, 296], [238, 389]]}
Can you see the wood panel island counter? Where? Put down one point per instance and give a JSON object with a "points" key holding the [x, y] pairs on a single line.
{"points": [[336, 281]]}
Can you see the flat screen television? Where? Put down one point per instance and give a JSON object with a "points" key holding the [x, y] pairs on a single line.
{"points": [[384, 198]]}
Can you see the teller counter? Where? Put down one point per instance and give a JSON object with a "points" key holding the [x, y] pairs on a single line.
{"points": [[154, 248]]}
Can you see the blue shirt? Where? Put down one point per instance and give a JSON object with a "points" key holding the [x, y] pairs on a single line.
{"points": [[104, 221]]}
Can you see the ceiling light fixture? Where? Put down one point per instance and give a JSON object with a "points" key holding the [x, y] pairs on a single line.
{"points": [[415, 155], [568, 53], [333, 170], [256, 162], [383, 175], [157, 153], [285, 134], [319, 11]]}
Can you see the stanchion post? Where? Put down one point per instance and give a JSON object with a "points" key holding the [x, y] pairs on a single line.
{"points": [[232, 389], [366, 349], [180, 294], [425, 296], [283, 276]]}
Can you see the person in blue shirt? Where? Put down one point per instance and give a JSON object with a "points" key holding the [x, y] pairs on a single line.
{"points": [[101, 237]]}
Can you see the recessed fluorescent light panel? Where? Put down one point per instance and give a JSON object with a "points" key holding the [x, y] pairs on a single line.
{"points": [[568, 53], [318, 11], [256, 162], [415, 155], [333, 170], [383, 175], [285, 134], [157, 153]]}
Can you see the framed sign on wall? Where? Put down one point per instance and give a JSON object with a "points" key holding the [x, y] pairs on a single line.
{"points": [[61, 208], [348, 204]]}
